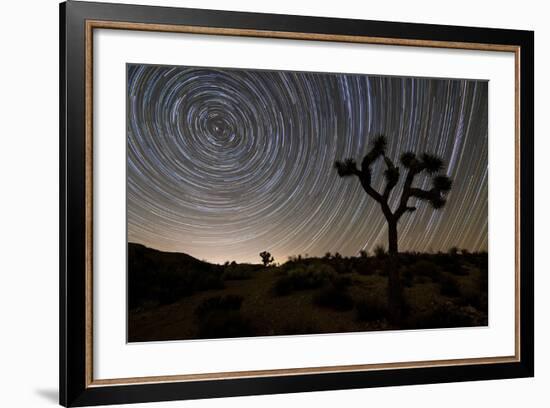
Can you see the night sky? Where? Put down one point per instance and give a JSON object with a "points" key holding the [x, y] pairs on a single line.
{"points": [[223, 163]]}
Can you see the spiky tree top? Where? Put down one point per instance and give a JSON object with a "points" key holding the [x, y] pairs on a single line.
{"points": [[414, 165]]}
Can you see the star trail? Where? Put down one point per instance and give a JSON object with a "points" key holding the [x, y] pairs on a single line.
{"points": [[224, 163]]}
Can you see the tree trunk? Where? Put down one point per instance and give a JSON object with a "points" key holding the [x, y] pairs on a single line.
{"points": [[392, 237], [395, 290]]}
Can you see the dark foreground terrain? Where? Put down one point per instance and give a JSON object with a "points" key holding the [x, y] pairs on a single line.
{"points": [[174, 296]]}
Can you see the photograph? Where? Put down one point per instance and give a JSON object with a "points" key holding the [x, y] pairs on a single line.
{"points": [[269, 203]]}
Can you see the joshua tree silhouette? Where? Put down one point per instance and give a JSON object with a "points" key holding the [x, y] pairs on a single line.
{"points": [[266, 258], [415, 165]]}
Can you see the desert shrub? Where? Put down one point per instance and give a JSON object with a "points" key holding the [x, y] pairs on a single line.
{"points": [[407, 258], [452, 263], [379, 251], [446, 315], [479, 259], [314, 275], [223, 324], [371, 309], [474, 295], [283, 286], [364, 265], [426, 268], [227, 302], [193, 280], [343, 267], [456, 268], [220, 316], [341, 264], [334, 298], [366, 271], [474, 299], [301, 278], [453, 251], [341, 282], [448, 286]]}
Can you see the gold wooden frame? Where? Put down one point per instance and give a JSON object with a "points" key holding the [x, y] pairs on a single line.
{"points": [[100, 24]]}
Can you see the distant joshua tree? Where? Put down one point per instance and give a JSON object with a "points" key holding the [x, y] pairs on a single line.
{"points": [[415, 165], [266, 258]]}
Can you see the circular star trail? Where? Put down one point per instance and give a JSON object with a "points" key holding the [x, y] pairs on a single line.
{"points": [[223, 163]]}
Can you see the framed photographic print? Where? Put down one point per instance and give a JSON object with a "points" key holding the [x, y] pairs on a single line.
{"points": [[255, 203]]}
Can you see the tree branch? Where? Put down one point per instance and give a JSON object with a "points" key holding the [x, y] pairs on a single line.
{"points": [[365, 182], [406, 193], [434, 196], [392, 177], [349, 168], [378, 148]]}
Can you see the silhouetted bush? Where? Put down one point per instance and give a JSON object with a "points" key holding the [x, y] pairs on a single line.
{"points": [[478, 259], [379, 251], [341, 282], [408, 258], [334, 298], [426, 268], [283, 286], [371, 309], [448, 286], [363, 265], [219, 316], [453, 251], [300, 278], [366, 271], [343, 266], [456, 268], [447, 314], [474, 299]]}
